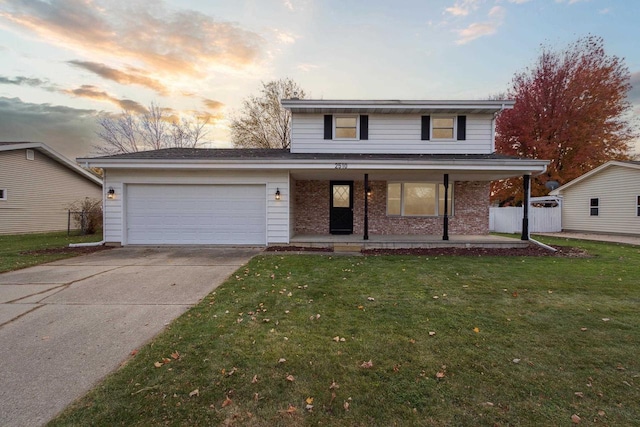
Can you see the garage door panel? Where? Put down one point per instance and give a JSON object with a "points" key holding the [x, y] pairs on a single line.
{"points": [[196, 214]]}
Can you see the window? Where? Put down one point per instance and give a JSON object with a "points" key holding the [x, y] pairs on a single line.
{"points": [[417, 199], [637, 205], [30, 154], [442, 127], [346, 127], [594, 206], [3, 194]]}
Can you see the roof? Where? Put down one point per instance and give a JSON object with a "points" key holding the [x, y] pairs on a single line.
{"points": [[267, 154], [397, 106], [626, 164], [52, 154]]}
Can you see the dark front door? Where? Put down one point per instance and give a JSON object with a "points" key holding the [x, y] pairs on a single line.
{"points": [[341, 212]]}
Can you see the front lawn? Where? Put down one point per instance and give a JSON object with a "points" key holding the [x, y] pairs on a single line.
{"points": [[394, 340], [25, 250]]}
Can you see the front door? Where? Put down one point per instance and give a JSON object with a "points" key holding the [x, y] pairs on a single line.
{"points": [[341, 211]]}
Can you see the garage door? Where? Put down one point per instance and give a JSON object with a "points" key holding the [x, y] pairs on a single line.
{"points": [[196, 214]]}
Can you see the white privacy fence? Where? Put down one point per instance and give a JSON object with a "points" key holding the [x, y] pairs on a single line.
{"points": [[541, 219]]}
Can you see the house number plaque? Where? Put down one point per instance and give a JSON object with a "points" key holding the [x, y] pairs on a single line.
{"points": [[342, 165]]}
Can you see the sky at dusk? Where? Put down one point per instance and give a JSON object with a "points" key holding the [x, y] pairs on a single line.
{"points": [[66, 62]]}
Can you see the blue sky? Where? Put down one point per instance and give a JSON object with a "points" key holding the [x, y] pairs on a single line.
{"points": [[65, 62]]}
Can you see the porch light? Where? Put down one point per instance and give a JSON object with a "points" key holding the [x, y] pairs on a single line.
{"points": [[369, 192], [111, 194], [277, 194]]}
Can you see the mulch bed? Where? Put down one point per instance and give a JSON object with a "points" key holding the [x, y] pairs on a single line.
{"points": [[296, 249], [531, 250], [85, 250]]}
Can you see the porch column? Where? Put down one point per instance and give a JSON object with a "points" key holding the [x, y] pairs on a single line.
{"points": [[525, 207], [366, 207], [445, 225]]}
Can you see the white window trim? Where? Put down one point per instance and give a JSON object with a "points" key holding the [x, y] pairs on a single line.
{"points": [[30, 154], [444, 116], [3, 196], [437, 215], [350, 116]]}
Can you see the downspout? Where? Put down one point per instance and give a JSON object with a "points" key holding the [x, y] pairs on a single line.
{"points": [[527, 197]]}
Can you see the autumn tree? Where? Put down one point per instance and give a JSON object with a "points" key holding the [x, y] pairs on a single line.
{"points": [[570, 108], [262, 121], [153, 129]]}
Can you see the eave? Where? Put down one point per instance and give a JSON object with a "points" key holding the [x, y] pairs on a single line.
{"points": [[311, 106]]}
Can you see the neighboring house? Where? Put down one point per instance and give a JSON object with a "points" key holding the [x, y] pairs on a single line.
{"points": [[354, 167], [36, 187], [603, 200]]}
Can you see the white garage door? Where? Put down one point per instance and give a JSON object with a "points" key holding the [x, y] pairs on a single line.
{"points": [[196, 214]]}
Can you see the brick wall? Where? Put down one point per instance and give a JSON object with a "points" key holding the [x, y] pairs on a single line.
{"points": [[470, 205]]}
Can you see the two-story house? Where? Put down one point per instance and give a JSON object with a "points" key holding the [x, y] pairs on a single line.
{"points": [[356, 170]]}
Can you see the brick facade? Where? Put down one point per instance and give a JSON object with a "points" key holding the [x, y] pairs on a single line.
{"points": [[470, 206]]}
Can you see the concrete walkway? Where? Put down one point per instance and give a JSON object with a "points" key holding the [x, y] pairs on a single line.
{"points": [[630, 240], [65, 325]]}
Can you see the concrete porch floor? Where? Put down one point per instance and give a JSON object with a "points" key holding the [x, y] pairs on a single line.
{"points": [[353, 242]]}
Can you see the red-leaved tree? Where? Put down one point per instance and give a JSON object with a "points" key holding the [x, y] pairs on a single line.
{"points": [[570, 108]]}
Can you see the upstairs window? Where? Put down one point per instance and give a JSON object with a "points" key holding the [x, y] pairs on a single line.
{"points": [[3, 194], [417, 199], [637, 205], [594, 207], [443, 127], [346, 127], [349, 127]]}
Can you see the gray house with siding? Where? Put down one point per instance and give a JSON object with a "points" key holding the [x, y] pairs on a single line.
{"points": [[37, 185], [603, 200], [356, 169]]}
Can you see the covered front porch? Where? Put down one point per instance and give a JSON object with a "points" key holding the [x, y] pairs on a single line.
{"points": [[355, 243]]}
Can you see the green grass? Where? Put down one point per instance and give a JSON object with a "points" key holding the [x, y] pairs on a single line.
{"points": [[13, 248], [532, 311]]}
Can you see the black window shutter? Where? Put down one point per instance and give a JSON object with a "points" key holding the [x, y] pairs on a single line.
{"points": [[364, 127], [426, 124], [462, 128], [328, 126]]}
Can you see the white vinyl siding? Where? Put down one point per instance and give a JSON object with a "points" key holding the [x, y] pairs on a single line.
{"points": [[616, 189], [39, 192], [276, 211], [391, 134]]}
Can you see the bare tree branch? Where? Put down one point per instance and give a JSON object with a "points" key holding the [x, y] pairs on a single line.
{"points": [[263, 122]]}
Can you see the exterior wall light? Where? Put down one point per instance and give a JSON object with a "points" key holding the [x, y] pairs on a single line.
{"points": [[369, 192], [277, 194], [111, 194]]}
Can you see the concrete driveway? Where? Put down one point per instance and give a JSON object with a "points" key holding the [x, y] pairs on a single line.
{"points": [[67, 324]]}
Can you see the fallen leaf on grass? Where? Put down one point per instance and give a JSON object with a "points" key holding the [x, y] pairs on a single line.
{"points": [[333, 386], [367, 365], [254, 379], [227, 402], [336, 339], [195, 392], [290, 410], [516, 360], [601, 413], [309, 400], [431, 333], [575, 419], [175, 355], [158, 364], [412, 341], [290, 378], [605, 319], [282, 360], [371, 299], [134, 352], [488, 404], [440, 374], [583, 329], [579, 394], [232, 371], [476, 330]]}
